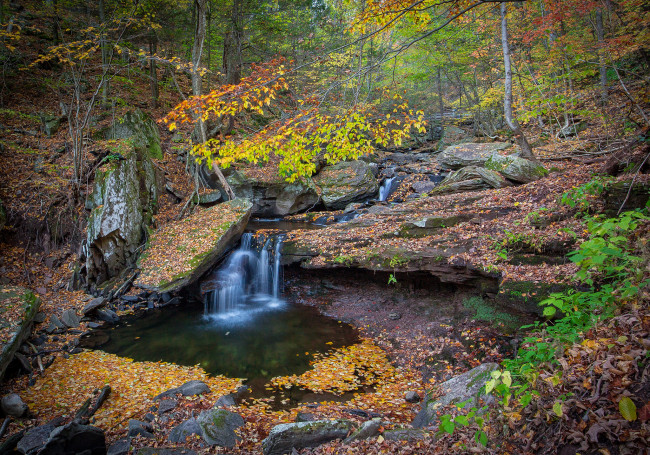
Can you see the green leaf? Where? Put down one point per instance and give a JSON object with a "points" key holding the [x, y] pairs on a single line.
{"points": [[489, 386], [481, 437], [549, 311], [448, 427], [628, 409], [557, 409], [462, 420]]}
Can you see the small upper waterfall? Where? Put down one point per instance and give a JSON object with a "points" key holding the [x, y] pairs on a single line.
{"points": [[250, 278], [386, 188]]}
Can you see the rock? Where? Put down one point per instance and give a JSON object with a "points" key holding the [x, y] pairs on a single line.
{"points": [[218, 427], [368, 430], [13, 405], [471, 178], [107, 315], [165, 451], [404, 434], [352, 207], [412, 397], [70, 318], [208, 198], [136, 427], [213, 231], [272, 195], [188, 389], [94, 304], [470, 154], [346, 182], [54, 319], [122, 204], [75, 438], [187, 428], [119, 447], [225, 401], [24, 304], [35, 438], [140, 129], [50, 124], [461, 388], [452, 135], [394, 316], [305, 417], [516, 169], [167, 405], [300, 435], [423, 187]]}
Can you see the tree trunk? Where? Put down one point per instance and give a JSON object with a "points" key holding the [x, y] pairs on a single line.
{"points": [[104, 46], [526, 150], [197, 89], [153, 49], [600, 33], [232, 46]]}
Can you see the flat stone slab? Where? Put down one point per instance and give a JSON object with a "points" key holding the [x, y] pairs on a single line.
{"points": [[179, 253], [288, 436]]}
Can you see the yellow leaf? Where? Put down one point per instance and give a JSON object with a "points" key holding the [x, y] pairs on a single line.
{"points": [[628, 409]]}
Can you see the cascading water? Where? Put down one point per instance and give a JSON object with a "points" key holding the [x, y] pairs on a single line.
{"points": [[249, 280], [385, 189]]}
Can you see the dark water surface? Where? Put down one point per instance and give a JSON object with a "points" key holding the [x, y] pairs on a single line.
{"points": [[263, 342]]}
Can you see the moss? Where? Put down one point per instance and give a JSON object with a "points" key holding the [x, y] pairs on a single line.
{"points": [[488, 313]]}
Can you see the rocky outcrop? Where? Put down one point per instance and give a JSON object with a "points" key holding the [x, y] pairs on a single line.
{"points": [[123, 202], [139, 129], [58, 440], [18, 308], [471, 178], [345, 182], [179, 253], [517, 169], [272, 195], [461, 388], [218, 427], [469, 154], [285, 437]]}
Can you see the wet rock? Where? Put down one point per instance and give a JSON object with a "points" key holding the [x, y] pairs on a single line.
{"points": [[466, 386], [218, 427], [412, 397], [119, 447], [139, 428], [187, 428], [346, 182], [13, 405], [70, 318], [423, 187], [107, 315], [93, 305], [469, 154], [369, 429], [75, 438], [190, 388], [285, 437]]}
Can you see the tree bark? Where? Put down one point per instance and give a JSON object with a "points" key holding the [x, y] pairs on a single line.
{"points": [[232, 46], [153, 49], [197, 89], [104, 46], [526, 150], [600, 33]]}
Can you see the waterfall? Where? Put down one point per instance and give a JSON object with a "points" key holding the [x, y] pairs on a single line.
{"points": [[385, 189], [250, 278]]}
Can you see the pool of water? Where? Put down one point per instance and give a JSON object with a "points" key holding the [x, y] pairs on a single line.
{"points": [[261, 339]]}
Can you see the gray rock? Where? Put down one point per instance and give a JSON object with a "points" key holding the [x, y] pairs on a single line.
{"points": [[469, 154], [75, 438], [190, 388], [452, 135], [346, 182], [394, 316], [207, 198], [94, 304], [122, 204], [423, 187], [119, 447], [225, 401], [70, 318], [305, 417], [140, 129], [13, 405], [516, 169], [218, 427], [285, 437], [57, 322], [274, 197], [404, 434], [50, 123], [35, 438], [167, 405], [471, 178], [180, 432], [165, 451], [137, 427], [107, 315], [412, 397], [369, 429], [466, 386]]}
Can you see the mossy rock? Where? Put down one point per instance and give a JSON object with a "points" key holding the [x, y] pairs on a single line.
{"points": [[617, 193], [18, 307], [140, 129], [299, 435], [346, 182], [517, 169], [526, 295], [469, 154]]}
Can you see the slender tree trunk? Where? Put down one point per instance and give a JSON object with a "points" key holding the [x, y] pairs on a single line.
{"points": [[153, 49], [600, 33], [526, 150], [441, 102], [197, 89], [232, 56], [104, 46]]}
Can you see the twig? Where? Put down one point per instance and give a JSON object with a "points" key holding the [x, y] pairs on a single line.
{"points": [[4, 426], [627, 196]]}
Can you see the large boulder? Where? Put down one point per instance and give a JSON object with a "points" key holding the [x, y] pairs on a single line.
{"points": [[469, 154], [140, 130], [345, 182], [287, 436], [179, 253], [18, 308], [218, 427], [75, 438], [123, 202], [516, 169], [471, 178], [270, 194], [467, 386]]}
